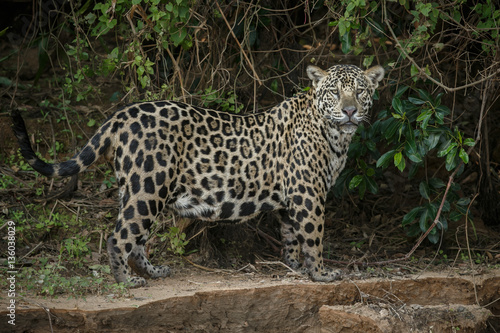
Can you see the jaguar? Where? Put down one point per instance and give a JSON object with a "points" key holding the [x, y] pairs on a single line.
{"points": [[218, 166]]}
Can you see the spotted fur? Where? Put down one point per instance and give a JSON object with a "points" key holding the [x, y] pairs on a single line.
{"points": [[216, 166]]}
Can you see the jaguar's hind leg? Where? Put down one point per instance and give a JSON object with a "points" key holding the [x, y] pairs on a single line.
{"points": [[126, 245], [118, 260], [141, 265]]}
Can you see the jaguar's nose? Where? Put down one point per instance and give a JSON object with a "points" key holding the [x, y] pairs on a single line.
{"points": [[349, 110]]}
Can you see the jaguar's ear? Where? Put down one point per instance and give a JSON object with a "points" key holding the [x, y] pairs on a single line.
{"points": [[315, 74], [375, 75]]}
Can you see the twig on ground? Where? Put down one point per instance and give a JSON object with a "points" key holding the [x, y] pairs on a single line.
{"points": [[279, 263]]}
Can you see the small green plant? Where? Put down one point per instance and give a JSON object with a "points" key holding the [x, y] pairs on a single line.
{"points": [[17, 162], [444, 257], [177, 240], [76, 250], [53, 220], [109, 178], [57, 148], [354, 33], [53, 279], [358, 244], [219, 100], [479, 258], [7, 181]]}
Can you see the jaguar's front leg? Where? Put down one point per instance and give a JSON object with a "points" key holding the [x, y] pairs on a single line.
{"points": [[308, 227]]}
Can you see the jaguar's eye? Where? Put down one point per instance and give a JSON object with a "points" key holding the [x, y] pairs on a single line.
{"points": [[359, 92], [335, 93]]}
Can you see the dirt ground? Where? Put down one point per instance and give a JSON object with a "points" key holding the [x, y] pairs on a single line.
{"points": [[195, 300]]}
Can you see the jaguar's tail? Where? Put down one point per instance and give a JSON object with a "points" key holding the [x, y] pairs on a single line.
{"points": [[83, 159]]}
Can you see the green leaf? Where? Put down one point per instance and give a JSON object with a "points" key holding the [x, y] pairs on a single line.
{"points": [[463, 155], [424, 117], [350, 7], [362, 188], [367, 61], [399, 161], [432, 140], [447, 148], [443, 109], [463, 201], [401, 90], [434, 236], [397, 158], [443, 223], [461, 209], [424, 190], [343, 26], [384, 160], [402, 165], [436, 183], [423, 219], [252, 35], [414, 157], [413, 230], [414, 72], [390, 127], [414, 167], [397, 105], [274, 85], [345, 41], [178, 36], [362, 164], [425, 121], [371, 146], [111, 24], [469, 142], [428, 215], [455, 216], [183, 12], [341, 182], [424, 95], [439, 118], [140, 70], [411, 215], [446, 206], [371, 184], [416, 101], [355, 181], [355, 150], [450, 159], [91, 122]]}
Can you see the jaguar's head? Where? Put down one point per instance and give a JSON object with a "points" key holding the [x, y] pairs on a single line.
{"points": [[344, 93]]}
